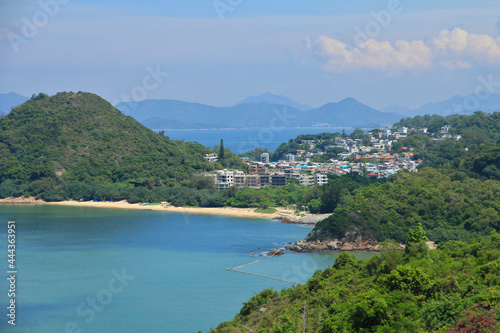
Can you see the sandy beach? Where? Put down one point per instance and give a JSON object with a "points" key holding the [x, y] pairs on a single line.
{"points": [[286, 216], [230, 211]]}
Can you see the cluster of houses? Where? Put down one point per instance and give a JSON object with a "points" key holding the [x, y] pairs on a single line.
{"points": [[370, 155], [259, 176]]}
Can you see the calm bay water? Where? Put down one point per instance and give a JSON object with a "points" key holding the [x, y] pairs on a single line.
{"points": [[243, 140], [105, 270]]}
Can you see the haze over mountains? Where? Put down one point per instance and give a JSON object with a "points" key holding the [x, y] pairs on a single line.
{"points": [[454, 105], [275, 99], [264, 111], [268, 110], [168, 114]]}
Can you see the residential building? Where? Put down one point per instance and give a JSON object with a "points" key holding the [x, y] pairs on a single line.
{"points": [[253, 181], [422, 130], [306, 180], [278, 179], [290, 158], [264, 179], [240, 178], [212, 158], [445, 129], [320, 179]]}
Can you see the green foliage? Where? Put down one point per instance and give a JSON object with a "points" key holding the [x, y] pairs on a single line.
{"points": [[293, 145], [463, 206], [265, 211], [407, 278], [440, 295], [345, 260], [221, 150], [416, 245], [314, 206], [255, 154], [72, 138], [257, 301], [477, 152]]}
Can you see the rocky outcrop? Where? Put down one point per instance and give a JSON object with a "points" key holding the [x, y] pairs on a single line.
{"points": [[310, 219], [21, 200], [333, 245], [341, 245], [275, 252]]}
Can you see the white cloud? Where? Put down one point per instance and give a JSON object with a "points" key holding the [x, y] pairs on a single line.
{"points": [[450, 49]]}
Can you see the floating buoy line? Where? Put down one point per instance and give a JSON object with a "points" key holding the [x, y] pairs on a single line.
{"points": [[236, 269]]}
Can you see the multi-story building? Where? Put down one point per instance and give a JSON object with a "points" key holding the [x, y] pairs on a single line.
{"points": [[278, 179], [253, 181], [225, 179], [290, 158], [306, 179], [240, 179], [264, 179], [320, 179], [264, 158]]}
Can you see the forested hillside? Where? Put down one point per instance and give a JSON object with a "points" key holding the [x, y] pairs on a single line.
{"points": [[449, 206], [53, 142], [477, 151], [452, 289]]}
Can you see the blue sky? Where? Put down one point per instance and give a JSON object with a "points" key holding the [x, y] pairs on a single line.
{"points": [[219, 52]]}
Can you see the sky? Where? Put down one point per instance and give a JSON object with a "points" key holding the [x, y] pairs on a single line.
{"points": [[219, 52]]}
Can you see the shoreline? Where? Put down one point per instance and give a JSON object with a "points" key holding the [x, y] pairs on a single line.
{"points": [[228, 211], [283, 215]]}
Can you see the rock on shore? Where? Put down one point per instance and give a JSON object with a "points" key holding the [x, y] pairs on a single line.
{"points": [[275, 252], [310, 219], [333, 245], [21, 200], [341, 245]]}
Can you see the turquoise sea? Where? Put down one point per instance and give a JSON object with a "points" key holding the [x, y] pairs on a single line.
{"points": [[115, 270]]}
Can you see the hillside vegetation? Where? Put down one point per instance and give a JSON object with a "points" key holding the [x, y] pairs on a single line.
{"points": [[476, 152], [52, 142], [450, 206], [452, 289]]}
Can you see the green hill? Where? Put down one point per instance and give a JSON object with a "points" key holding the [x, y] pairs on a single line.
{"points": [[452, 289], [449, 206], [79, 137]]}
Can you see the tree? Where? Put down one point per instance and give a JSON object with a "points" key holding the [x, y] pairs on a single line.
{"points": [[358, 133], [221, 150], [416, 242]]}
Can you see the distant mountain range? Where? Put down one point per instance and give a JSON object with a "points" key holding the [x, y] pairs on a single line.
{"points": [[275, 99], [454, 105], [8, 101], [266, 110]]}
